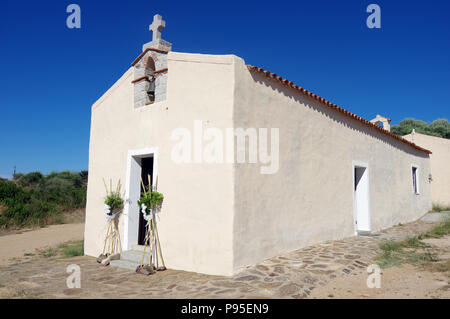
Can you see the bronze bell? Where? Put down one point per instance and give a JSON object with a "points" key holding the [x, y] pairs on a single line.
{"points": [[151, 88]]}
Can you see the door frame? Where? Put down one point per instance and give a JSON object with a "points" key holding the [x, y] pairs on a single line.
{"points": [[417, 167], [365, 165], [133, 191]]}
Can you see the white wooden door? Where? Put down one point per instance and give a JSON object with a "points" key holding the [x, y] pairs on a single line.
{"points": [[361, 198]]}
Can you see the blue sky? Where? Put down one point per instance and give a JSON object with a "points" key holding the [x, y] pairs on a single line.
{"points": [[51, 75]]}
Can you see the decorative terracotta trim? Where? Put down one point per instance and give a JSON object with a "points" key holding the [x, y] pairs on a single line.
{"points": [[145, 77], [327, 103], [157, 50], [160, 71], [144, 52]]}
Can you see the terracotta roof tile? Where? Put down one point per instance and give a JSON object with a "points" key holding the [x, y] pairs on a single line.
{"points": [[144, 52], [333, 106]]}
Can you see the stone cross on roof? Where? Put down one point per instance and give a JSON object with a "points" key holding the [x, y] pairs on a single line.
{"points": [[156, 27]]}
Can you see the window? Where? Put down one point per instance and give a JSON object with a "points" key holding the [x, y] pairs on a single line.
{"points": [[415, 179]]}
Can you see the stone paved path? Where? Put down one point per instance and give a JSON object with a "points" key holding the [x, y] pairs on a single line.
{"points": [[292, 275]]}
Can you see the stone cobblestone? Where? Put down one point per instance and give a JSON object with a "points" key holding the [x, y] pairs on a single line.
{"points": [[292, 275]]}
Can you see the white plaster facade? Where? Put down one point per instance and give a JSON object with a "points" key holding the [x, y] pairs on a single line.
{"points": [[440, 165], [218, 218]]}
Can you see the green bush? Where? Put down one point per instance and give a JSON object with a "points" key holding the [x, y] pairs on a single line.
{"points": [[440, 127], [30, 179], [36, 199]]}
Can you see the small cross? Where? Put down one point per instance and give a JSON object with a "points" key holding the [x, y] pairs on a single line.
{"points": [[156, 27]]}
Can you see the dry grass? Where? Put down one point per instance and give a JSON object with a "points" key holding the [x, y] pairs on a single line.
{"points": [[438, 231], [413, 250], [440, 208], [443, 266], [65, 250], [74, 217], [72, 249]]}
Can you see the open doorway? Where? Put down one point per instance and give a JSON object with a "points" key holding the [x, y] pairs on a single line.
{"points": [[146, 170], [361, 197], [140, 164]]}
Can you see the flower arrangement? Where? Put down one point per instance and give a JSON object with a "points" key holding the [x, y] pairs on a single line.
{"points": [[113, 200], [150, 200], [113, 205]]}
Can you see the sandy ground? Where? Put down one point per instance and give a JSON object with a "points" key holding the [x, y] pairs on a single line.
{"points": [[16, 245], [405, 281], [396, 282]]}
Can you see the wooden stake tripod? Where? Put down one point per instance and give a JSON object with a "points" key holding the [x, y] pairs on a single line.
{"points": [[112, 247], [112, 241], [152, 242], [151, 238]]}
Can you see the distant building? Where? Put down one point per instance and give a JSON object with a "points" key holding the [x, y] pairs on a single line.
{"points": [[440, 165]]}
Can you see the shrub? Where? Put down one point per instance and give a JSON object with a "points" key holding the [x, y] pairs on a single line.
{"points": [[30, 179], [440, 127], [36, 199], [84, 176]]}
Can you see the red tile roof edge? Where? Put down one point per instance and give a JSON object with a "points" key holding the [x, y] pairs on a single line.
{"points": [[331, 105], [144, 52]]}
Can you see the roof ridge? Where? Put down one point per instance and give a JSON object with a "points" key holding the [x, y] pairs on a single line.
{"points": [[332, 105], [444, 138]]}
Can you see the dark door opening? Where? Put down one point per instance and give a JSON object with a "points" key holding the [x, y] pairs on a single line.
{"points": [[146, 169], [361, 199], [414, 179]]}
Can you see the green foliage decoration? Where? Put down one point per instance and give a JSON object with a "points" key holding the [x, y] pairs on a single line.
{"points": [[151, 199]]}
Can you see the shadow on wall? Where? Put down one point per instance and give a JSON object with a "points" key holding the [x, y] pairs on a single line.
{"points": [[335, 115]]}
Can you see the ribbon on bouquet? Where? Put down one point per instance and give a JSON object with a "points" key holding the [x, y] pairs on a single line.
{"points": [[107, 210], [146, 216]]}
